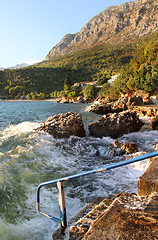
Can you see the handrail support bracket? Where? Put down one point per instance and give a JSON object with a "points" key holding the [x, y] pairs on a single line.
{"points": [[62, 205]]}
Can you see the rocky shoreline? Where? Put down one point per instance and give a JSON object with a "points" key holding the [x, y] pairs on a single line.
{"points": [[125, 215], [122, 216]]}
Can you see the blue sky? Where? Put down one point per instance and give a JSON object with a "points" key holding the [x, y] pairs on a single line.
{"points": [[30, 28]]}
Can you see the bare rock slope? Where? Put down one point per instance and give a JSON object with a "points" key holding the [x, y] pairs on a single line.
{"points": [[115, 24]]}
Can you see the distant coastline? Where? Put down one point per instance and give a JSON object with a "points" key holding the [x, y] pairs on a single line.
{"points": [[26, 100]]}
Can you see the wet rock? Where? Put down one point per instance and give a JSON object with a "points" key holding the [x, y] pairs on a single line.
{"points": [[115, 125], [148, 182], [145, 128], [117, 144], [154, 123], [127, 148], [101, 109], [64, 125]]}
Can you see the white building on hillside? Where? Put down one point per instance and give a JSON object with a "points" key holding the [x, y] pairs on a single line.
{"points": [[83, 84]]}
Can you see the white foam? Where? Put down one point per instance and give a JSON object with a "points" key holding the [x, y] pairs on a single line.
{"points": [[88, 108], [13, 130], [42, 158]]}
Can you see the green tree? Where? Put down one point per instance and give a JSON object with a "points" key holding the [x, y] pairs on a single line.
{"points": [[67, 84], [89, 92]]}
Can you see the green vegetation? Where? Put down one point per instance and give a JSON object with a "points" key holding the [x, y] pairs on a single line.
{"points": [[89, 92], [142, 71], [54, 78], [97, 63]]}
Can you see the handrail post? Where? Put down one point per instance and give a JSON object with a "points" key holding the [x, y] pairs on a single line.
{"points": [[62, 205], [60, 187]]}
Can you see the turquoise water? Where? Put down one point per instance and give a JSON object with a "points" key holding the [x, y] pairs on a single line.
{"points": [[28, 158]]}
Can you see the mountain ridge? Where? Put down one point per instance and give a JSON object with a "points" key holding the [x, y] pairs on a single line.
{"points": [[17, 66], [113, 25]]}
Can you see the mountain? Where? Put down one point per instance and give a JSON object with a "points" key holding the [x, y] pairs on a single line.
{"points": [[121, 39], [22, 65], [114, 25]]}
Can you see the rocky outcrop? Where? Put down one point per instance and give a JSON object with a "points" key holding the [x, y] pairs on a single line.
{"points": [[101, 109], [127, 148], [115, 125], [64, 125], [128, 217], [110, 107], [147, 111], [154, 123], [122, 216], [115, 24], [135, 101], [148, 182], [81, 227], [61, 46]]}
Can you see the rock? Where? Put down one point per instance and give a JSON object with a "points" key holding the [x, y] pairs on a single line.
{"points": [[129, 148], [115, 125], [59, 100], [64, 125], [80, 99], [148, 182], [57, 234], [135, 101], [150, 113], [114, 25], [78, 230], [120, 105], [146, 98], [154, 123], [101, 109], [145, 128], [128, 217], [65, 100], [117, 144], [154, 99]]}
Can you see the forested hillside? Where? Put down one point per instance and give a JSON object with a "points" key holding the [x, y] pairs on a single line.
{"points": [[136, 62], [121, 39], [142, 71], [97, 63]]}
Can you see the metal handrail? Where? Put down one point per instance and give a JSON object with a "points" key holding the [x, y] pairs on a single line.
{"points": [[60, 186]]}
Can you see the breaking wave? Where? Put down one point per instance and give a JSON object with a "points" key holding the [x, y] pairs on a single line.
{"points": [[28, 157]]}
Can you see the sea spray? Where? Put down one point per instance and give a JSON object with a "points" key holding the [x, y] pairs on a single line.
{"points": [[28, 157]]}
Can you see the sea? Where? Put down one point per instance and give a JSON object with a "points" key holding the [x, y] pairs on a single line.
{"points": [[29, 157]]}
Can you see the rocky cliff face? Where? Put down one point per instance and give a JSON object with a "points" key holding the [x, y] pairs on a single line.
{"points": [[115, 24]]}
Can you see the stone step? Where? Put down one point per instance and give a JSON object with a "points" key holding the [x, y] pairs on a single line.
{"points": [[124, 216], [128, 217], [81, 214], [81, 227], [77, 223], [80, 224]]}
